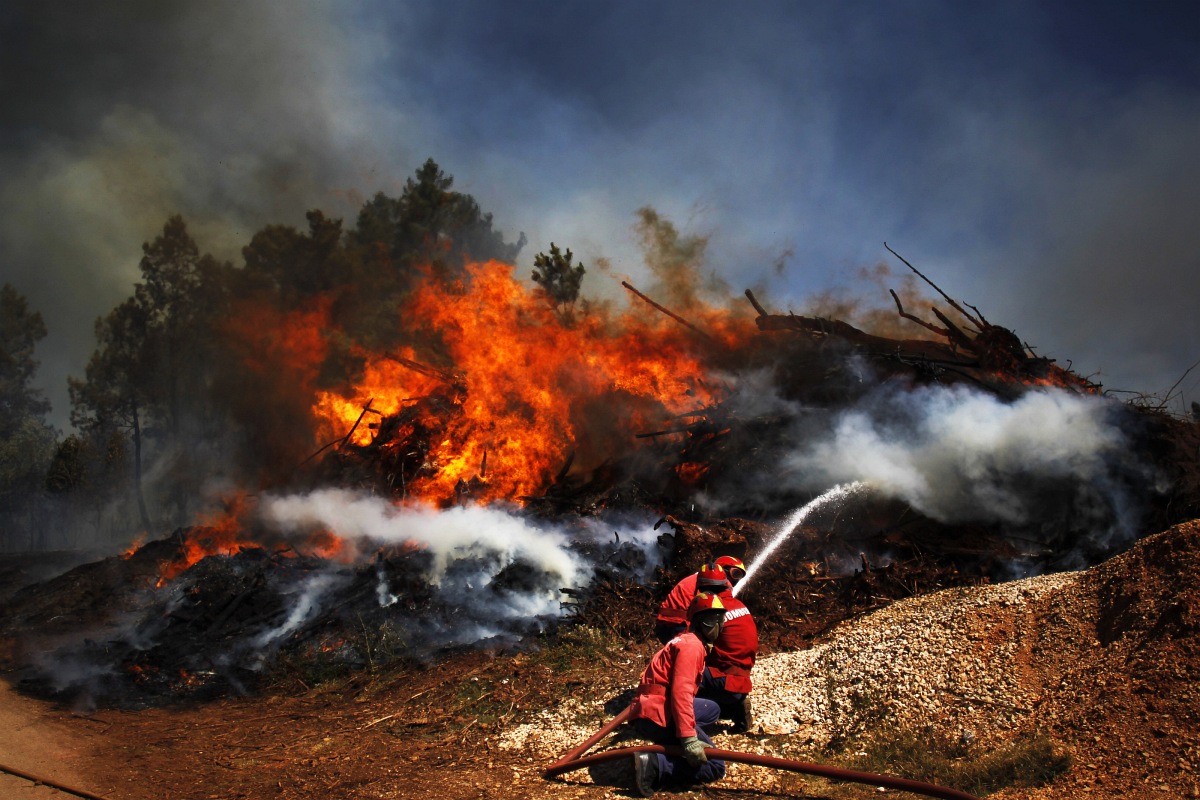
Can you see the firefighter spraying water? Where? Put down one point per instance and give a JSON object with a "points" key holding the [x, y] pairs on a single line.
{"points": [[701, 674]]}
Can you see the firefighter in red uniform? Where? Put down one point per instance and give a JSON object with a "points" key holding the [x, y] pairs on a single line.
{"points": [[727, 672], [727, 675], [734, 569], [667, 711], [672, 618]]}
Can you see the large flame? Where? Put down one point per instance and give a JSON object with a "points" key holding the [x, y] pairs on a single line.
{"points": [[532, 388], [506, 390]]}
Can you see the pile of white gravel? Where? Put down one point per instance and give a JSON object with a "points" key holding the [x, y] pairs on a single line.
{"points": [[958, 660], [967, 661], [1102, 661]]}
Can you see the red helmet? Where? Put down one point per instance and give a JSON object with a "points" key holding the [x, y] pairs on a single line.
{"points": [[733, 567], [712, 578], [705, 602]]}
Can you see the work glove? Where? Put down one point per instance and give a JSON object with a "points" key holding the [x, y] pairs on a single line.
{"points": [[693, 751]]}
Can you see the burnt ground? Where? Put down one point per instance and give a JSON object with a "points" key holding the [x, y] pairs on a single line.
{"points": [[416, 730], [342, 710], [352, 728], [112, 634]]}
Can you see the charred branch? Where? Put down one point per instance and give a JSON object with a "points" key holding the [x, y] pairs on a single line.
{"points": [[448, 378], [821, 328], [913, 318], [988, 355], [354, 427], [997, 348], [562, 473], [670, 314], [762, 312], [955, 334], [977, 323]]}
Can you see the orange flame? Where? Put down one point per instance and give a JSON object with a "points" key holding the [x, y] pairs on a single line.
{"points": [[274, 341], [691, 472], [213, 535], [225, 534], [531, 388], [128, 552]]}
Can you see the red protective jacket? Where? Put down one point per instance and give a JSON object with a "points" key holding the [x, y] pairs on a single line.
{"points": [[675, 607], [736, 649], [667, 693]]}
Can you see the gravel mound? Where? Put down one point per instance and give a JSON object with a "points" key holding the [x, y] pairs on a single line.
{"points": [[1104, 661], [961, 659]]}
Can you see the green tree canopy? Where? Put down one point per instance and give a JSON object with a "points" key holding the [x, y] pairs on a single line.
{"points": [[183, 296], [20, 331], [557, 278], [296, 265], [116, 381], [432, 224], [155, 352], [117, 390], [26, 440], [154, 349]]}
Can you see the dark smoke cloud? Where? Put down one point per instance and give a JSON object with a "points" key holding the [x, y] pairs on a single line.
{"points": [[1035, 160], [120, 114]]}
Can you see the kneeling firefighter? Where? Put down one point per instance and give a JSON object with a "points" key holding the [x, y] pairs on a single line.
{"points": [[666, 710], [672, 617], [727, 676]]}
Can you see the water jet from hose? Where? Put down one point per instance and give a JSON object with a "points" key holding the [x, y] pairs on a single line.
{"points": [[835, 495]]}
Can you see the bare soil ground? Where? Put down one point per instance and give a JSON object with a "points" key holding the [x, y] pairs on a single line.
{"points": [[1116, 666]]}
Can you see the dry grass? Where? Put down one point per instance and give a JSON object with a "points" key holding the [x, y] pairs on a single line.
{"points": [[957, 762]]}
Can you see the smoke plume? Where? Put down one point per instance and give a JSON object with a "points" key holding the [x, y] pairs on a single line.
{"points": [[1050, 457], [491, 540]]}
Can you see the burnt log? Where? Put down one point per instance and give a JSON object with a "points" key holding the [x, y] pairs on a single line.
{"points": [[820, 327]]}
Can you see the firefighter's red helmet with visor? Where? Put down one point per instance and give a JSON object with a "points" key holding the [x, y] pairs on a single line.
{"points": [[712, 578], [704, 603], [733, 567]]}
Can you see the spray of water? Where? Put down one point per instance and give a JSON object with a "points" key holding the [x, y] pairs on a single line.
{"points": [[835, 495]]}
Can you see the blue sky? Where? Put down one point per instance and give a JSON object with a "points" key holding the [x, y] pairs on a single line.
{"points": [[1038, 160]]}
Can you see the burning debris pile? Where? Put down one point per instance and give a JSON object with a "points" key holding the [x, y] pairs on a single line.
{"points": [[117, 632], [524, 469]]}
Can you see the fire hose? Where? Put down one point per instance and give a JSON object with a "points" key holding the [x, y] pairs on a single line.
{"points": [[38, 781], [575, 759]]}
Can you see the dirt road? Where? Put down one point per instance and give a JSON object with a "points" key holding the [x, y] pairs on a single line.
{"points": [[37, 739]]}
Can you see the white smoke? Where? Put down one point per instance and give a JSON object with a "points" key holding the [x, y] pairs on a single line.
{"points": [[383, 592], [956, 454], [468, 546], [306, 606]]}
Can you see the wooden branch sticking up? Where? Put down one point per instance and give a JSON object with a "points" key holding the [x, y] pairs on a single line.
{"points": [[762, 312], [913, 318], [427, 371], [954, 333], [562, 473], [671, 314], [977, 323], [354, 427], [997, 347]]}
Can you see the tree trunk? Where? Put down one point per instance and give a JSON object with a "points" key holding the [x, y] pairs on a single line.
{"points": [[137, 465]]}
